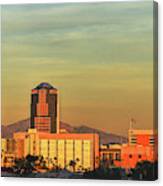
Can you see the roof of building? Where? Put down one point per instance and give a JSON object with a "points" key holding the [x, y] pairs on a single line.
{"points": [[44, 85], [142, 132], [67, 136]]}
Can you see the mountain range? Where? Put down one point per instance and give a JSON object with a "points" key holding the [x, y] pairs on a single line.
{"points": [[23, 125]]}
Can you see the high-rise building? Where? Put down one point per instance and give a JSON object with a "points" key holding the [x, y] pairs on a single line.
{"points": [[45, 108]]}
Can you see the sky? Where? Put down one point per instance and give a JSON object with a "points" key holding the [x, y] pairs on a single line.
{"points": [[98, 55]]}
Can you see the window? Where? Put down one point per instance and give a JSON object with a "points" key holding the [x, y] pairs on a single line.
{"points": [[110, 156], [130, 156], [139, 156], [117, 156]]}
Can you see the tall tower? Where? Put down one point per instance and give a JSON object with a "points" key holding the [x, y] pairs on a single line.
{"points": [[45, 108]]}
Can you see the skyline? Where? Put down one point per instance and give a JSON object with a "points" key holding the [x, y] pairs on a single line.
{"points": [[76, 51]]}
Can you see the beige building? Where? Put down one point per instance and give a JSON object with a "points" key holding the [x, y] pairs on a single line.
{"points": [[7, 152], [60, 149]]}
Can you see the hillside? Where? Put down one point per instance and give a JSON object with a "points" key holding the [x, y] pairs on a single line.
{"points": [[23, 125]]}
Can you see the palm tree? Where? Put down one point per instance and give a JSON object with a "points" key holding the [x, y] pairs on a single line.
{"points": [[77, 163], [55, 162], [42, 162], [72, 164]]}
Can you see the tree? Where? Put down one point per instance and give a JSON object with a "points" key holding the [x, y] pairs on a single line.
{"points": [[42, 162], [25, 165], [72, 164], [145, 170]]}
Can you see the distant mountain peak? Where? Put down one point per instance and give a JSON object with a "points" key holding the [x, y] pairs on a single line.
{"points": [[24, 125]]}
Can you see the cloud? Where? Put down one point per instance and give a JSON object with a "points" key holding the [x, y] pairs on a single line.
{"points": [[97, 54]]}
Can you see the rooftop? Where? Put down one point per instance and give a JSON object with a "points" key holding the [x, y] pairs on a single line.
{"points": [[44, 85]]}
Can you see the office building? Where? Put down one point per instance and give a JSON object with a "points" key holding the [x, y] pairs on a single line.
{"points": [[110, 155], [60, 149], [132, 154], [45, 108], [142, 137]]}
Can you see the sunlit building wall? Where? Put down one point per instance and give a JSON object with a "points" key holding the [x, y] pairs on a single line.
{"points": [[7, 152], [142, 137], [132, 154], [142, 146], [61, 149], [3, 144], [3, 151], [7, 145]]}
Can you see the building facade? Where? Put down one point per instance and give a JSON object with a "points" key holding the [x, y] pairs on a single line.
{"points": [[141, 146], [7, 152], [60, 149], [45, 108], [132, 154], [142, 137], [110, 155]]}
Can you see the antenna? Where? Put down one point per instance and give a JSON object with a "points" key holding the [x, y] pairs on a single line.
{"points": [[132, 122]]}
